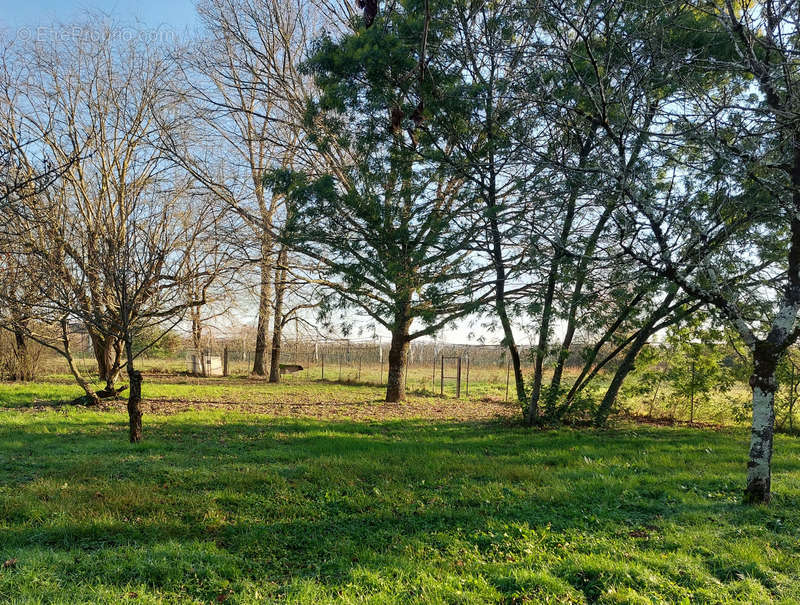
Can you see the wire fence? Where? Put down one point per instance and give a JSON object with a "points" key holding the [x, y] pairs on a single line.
{"points": [[432, 367], [663, 386], [709, 385]]}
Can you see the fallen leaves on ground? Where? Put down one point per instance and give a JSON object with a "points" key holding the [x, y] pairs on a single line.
{"points": [[436, 409]]}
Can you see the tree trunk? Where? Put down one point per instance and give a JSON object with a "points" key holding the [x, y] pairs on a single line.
{"points": [[628, 362], [197, 340], [134, 397], [91, 396], [264, 312], [398, 359], [532, 413], [575, 301], [23, 363], [759, 467], [108, 353], [82, 382], [500, 303], [277, 331], [625, 368], [100, 353], [134, 406], [497, 255], [516, 364]]}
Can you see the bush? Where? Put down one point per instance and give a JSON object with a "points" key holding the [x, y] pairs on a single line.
{"points": [[18, 363]]}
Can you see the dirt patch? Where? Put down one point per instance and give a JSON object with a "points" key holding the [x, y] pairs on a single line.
{"points": [[366, 410], [415, 408], [658, 421]]}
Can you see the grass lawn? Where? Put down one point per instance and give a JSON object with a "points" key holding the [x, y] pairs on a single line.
{"points": [[218, 505]]}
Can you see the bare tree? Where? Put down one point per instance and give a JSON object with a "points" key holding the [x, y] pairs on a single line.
{"points": [[91, 96], [244, 85], [150, 275], [110, 244]]}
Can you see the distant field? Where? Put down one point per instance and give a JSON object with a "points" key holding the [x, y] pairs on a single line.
{"points": [[311, 492], [483, 381], [166, 379], [299, 398]]}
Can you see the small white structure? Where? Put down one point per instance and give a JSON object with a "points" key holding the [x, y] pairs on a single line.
{"points": [[194, 364]]}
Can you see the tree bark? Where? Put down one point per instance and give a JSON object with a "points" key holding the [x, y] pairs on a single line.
{"points": [[134, 406], [277, 331], [398, 359], [23, 363], [108, 353], [82, 382], [629, 361], [764, 385], [264, 312], [134, 397]]}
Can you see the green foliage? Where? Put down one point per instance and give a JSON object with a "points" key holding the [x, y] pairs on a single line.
{"points": [[389, 228], [693, 369], [788, 376], [695, 356], [158, 344]]}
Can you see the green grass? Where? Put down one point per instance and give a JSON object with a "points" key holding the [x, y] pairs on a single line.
{"points": [[242, 508], [484, 381], [61, 388], [192, 389]]}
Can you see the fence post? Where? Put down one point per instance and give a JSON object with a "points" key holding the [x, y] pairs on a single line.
{"points": [[433, 376], [691, 398], [792, 394], [508, 375], [441, 380], [467, 376], [458, 379], [225, 361], [322, 357]]}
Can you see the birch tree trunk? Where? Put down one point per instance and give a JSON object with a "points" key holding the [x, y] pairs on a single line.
{"points": [[759, 474]]}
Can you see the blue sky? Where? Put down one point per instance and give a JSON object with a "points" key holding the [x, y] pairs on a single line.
{"points": [[153, 13], [179, 15]]}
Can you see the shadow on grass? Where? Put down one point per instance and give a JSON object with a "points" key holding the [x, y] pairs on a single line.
{"points": [[286, 499]]}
